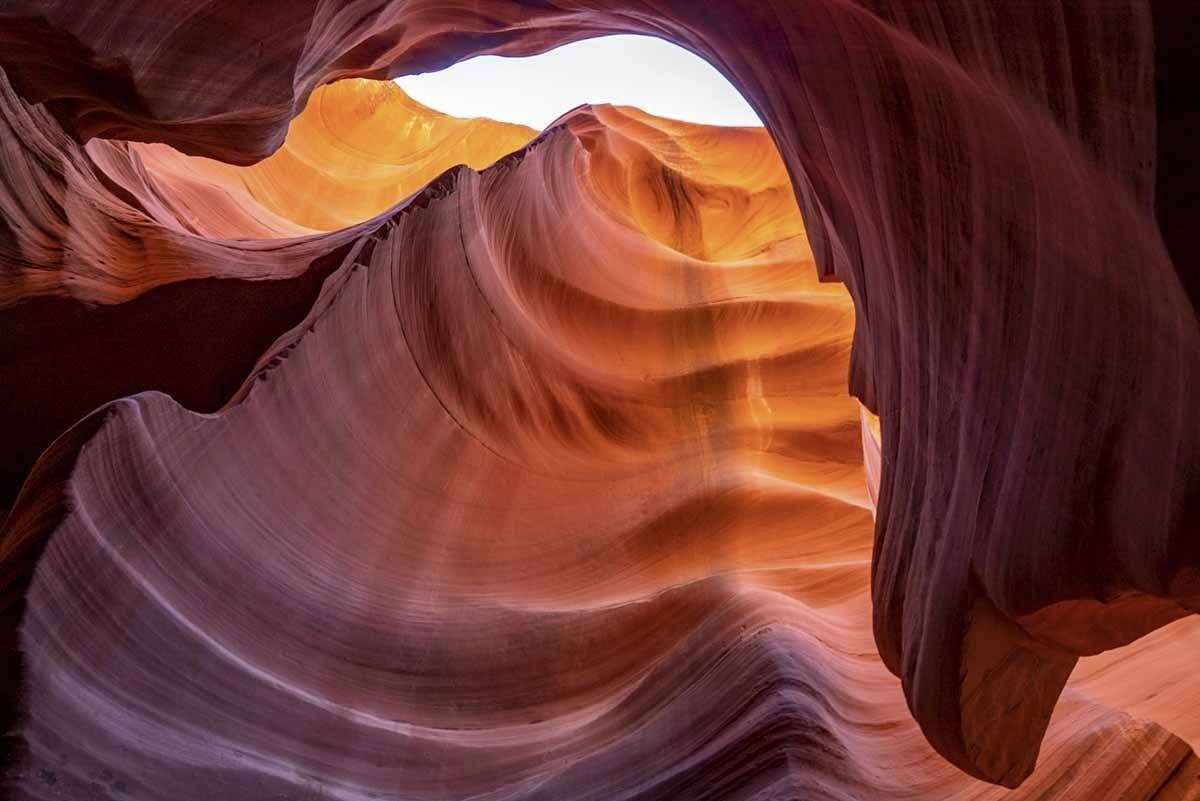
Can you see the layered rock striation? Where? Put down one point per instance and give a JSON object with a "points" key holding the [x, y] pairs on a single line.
{"points": [[545, 481]]}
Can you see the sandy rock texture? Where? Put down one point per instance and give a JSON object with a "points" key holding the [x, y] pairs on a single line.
{"points": [[852, 458]]}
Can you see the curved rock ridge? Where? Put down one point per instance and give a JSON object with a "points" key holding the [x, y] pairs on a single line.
{"points": [[358, 148], [521, 509], [91, 223], [110, 221], [99, 269], [1004, 189]]}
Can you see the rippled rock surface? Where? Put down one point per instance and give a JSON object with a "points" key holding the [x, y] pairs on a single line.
{"points": [[544, 479]]}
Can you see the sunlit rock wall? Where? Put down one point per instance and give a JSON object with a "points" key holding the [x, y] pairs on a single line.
{"points": [[546, 481]]}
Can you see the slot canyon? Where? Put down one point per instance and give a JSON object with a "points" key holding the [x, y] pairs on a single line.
{"points": [[353, 450]]}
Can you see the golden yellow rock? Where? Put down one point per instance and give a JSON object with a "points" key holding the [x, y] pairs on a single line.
{"points": [[358, 148]]}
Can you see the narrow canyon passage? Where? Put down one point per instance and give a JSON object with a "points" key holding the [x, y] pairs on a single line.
{"points": [[433, 458], [556, 492], [507, 443]]}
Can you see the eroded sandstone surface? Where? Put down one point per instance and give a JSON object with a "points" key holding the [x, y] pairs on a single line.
{"points": [[367, 475]]}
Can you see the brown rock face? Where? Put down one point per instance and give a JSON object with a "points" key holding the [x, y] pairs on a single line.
{"points": [[408, 480]]}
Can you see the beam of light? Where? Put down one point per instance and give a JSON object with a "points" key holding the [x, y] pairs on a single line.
{"points": [[651, 74]]}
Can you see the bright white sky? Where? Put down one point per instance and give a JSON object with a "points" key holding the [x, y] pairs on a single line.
{"points": [[652, 74]]}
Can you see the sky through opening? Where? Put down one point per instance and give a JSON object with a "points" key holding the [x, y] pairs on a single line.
{"points": [[652, 74]]}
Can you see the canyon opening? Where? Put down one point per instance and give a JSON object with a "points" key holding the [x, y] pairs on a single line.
{"points": [[802, 413]]}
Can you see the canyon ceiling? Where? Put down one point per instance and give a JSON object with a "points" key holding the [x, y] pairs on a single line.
{"points": [[356, 451]]}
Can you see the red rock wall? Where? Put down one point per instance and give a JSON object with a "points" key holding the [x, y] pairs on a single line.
{"points": [[990, 183]]}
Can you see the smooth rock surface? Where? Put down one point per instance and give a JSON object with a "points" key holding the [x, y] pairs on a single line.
{"points": [[997, 186]]}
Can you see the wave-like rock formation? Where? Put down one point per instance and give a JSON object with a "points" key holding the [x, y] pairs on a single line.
{"points": [[108, 223], [547, 481], [358, 148]]}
